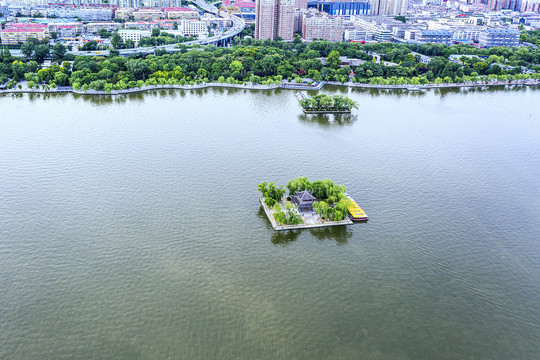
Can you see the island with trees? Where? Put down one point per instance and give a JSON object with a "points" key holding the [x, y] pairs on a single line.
{"points": [[305, 204], [325, 104]]}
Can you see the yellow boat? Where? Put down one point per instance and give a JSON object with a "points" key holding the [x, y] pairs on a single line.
{"points": [[355, 212]]}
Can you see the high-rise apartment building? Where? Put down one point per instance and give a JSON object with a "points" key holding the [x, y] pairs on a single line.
{"points": [[341, 8], [514, 5], [389, 7], [530, 5], [322, 26], [274, 18], [300, 4], [286, 19]]}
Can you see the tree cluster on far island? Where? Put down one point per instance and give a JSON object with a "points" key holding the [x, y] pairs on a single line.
{"points": [[332, 203], [323, 102]]}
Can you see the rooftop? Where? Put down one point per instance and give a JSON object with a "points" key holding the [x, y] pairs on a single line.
{"points": [[502, 31], [22, 30], [177, 9]]}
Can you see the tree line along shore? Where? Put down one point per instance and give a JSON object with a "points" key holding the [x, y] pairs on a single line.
{"points": [[269, 63]]}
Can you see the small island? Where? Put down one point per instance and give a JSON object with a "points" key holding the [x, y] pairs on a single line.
{"points": [[305, 204], [325, 104]]}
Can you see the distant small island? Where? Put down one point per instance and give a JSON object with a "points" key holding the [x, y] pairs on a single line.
{"points": [[322, 104], [308, 204]]}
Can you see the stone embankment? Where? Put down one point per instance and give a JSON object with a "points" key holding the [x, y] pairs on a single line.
{"points": [[530, 82], [65, 89]]}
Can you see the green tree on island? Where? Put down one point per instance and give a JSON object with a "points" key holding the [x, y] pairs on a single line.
{"points": [[323, 102]]}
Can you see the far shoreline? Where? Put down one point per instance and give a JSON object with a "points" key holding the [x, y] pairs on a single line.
{"points": [[285, 86]]}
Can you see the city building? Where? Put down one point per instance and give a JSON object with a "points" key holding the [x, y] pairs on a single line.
{"points": [[300, 4], [166, 24], [94, 27], [216, 22], [514, 5], [499, 37], [322, 26], [124, 13], [274, 18], [134, 35], [54, 26], [380, 32], [67, 31], [411, 34], [141, 25], [358, 35], [341, 8], [180, 13], [530, 6], [163, 3], [194, 28], [389, 7], [148, 14], [83, 12], [18, 33], [466, 34], [126, 3], [434, 36]]}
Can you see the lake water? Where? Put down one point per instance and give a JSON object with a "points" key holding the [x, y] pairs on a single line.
{"points": [[130, 227]]}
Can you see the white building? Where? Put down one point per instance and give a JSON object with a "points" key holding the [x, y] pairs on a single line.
{"points": [[94, 27], [499, 37], [194, 28], [358, 35], [134, 35]]}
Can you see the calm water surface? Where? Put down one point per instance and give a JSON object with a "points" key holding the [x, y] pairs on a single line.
{"points": [[130, 227]]}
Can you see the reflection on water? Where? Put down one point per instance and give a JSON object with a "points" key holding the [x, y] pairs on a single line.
{"points": [[285, 237], [339, 234], [320, 119], [328, 120]]}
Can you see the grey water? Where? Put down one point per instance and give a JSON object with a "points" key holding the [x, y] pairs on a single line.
{"points": [[130, 227]]}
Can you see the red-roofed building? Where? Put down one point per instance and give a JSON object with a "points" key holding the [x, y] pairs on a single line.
{"points": [[67, 31], [141, 25], [180, 13], [148, 14], [18, 33]]}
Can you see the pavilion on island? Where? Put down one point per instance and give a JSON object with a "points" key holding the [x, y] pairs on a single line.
{"points": [[304, 200]]}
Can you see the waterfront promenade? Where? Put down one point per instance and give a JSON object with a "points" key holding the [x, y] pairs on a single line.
{"points": [[283, 85]]}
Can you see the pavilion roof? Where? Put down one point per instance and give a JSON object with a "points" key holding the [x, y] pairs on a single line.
{"points": [[305, 196]]}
